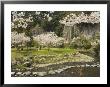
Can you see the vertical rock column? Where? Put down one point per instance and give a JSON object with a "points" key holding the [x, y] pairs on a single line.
{"points": [[67, 33]]}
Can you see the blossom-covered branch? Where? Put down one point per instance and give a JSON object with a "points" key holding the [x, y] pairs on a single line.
{"points": [[73, 19]]}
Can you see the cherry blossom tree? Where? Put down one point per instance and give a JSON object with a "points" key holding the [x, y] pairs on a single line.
{"points": [[49, 39], [19, 39]]}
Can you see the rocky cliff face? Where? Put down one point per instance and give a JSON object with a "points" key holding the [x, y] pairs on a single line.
{"points": [[89, 29], [86, 29]]}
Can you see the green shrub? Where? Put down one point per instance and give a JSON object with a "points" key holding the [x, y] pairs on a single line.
{"points": [[80, 42], [86, 44], [76, 43]]}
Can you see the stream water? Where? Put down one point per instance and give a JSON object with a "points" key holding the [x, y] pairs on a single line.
{"points": [[62, 70]]}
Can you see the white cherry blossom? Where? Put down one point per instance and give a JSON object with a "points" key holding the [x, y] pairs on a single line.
{"points": [[49, 38], [19, 38], [73, 19]]}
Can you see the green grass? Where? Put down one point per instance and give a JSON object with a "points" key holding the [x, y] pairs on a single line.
{"points": [[54, 55], [43, 51]]}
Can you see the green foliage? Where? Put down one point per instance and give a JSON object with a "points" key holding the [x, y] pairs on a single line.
{"points": [[80, 42], [86, 44], [76, 43], [96, 36], [97, 52]]}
